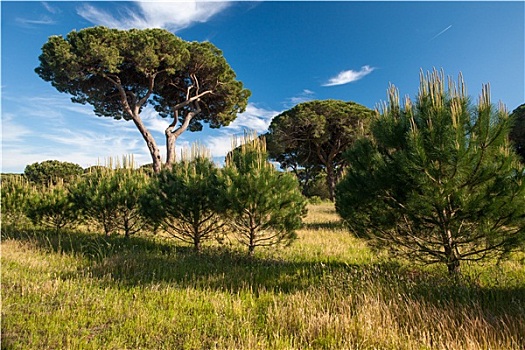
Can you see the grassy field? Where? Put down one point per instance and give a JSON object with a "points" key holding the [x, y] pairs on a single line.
{"points": [[325, 291]]}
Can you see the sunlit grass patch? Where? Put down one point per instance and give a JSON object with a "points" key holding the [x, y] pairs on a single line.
{"points": [[325, 291]]}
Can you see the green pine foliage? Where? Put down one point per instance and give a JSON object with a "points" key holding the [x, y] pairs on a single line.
{"points": [[16, 193], [51, 172], [517, 133], [185, 200], [265, 206], [438, 181], [119, 72], [51, 206], [111, 197], [314, 135]]}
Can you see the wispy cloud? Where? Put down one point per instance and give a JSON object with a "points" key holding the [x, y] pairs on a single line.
{"points": [[349, 76], [253, 119], [59, 129], [153, 121], [441, 32], [49, 8], [43, 20], [11, 130], [305, 96], [173, 15]]}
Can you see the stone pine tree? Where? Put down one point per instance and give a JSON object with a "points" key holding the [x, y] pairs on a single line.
{"points": [[438, 180], [185, 199], [52, 172], [120, 72], [313, 136], [264, 206]]}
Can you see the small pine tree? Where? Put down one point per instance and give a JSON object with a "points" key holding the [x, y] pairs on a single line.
{"points": [[16, 193], [111, 197], [438, 181], [265, 206], [51, 206], [185, 199]]}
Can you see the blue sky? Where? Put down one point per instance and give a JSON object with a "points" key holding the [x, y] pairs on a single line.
{"points": [[284, 52]]}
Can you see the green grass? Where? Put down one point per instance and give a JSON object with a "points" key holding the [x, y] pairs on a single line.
{"points": [[326, 291]]}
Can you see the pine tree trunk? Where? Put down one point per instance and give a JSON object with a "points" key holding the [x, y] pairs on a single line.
{"points": [[330, 181], [452, 259], [170, 149], [150, 142], [172, 134], [251, 247], [453, 267], [196, 236], [196, 244]]}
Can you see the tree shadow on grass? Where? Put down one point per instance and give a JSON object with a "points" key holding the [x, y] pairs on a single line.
{"points": [[143, 261], [330, 225], [140, 260]]}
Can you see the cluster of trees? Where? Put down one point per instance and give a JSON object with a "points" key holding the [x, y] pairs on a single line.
{"points": [[193, 200], [438, 180]]}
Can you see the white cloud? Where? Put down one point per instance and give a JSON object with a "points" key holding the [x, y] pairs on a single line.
{"points": [[305, 96], [349, 76], [219, 145], [83, 147], [43, 20], [61, 130], [253, 119], [11, 130], [173, 15], [50, 8], [153, 121]]}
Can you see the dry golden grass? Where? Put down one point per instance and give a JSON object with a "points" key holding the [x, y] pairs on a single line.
{"points": [[326, 291]]}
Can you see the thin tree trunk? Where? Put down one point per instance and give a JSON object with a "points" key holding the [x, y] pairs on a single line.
{"points": [[173, 134], [251, 247], [452, 258], [453, 267], [150, 141], [330, 181], [170, 148], [196, 236], [132, 108]]}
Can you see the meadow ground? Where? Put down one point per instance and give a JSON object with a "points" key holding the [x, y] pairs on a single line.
{"points": [[326, 291]]}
